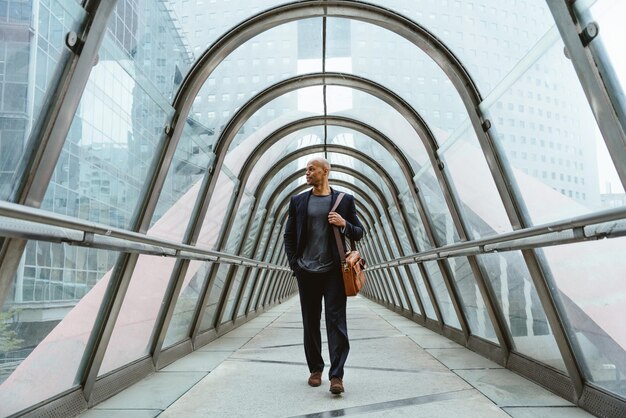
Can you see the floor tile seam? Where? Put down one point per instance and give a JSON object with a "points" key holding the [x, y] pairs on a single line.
{"points": [[484, 394], [185, 392], [390, 405], [95, 408], [543, 406], [324, 341], [347, 367]]}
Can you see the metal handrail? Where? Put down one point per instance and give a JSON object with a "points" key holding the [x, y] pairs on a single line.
{"points": [[609, 223], [23, 222]]}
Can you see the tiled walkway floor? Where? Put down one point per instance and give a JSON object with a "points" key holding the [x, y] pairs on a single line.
{"points": [[396, 368]]}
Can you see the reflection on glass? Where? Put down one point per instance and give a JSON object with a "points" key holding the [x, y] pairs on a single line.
{"points": [[423, 292], [488, 36], [415, 222], [182, 184], [442, 226], [234, 293], [135, 324], [471, 299], [187, 302], [473, 183], [516, 294], [397, 273], [441, 294], [545, 126], [32, 53], [47, 320], [406, 249], [223, 195], [389, 59], [215, 292], [268, 58], [589, 277], [248, 288], [242, 213]]}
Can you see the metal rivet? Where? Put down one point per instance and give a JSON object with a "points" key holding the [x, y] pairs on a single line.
{"points": [[71, 39], [589, 33]]}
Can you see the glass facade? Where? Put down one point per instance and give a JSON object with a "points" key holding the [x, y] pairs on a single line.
{"points": [[473, 142]]}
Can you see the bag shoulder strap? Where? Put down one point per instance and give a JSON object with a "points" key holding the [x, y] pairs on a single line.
{"points": [[340, 248]]}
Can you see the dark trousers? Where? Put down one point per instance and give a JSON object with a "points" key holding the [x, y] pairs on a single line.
{"points": [[312, 287]]}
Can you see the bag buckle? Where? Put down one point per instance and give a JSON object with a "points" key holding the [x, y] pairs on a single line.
{"points": [[345, 266]]}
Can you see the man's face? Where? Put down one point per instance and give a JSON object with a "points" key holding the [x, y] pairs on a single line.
{"points": [[315, 173]]}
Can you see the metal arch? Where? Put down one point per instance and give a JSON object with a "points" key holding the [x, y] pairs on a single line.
{"points": [[336, 168], [395, 152], [388, 285], [365, 197], [359, 156], [358, 83], [304, 151], [229, 277], [260, 281], [447, 61]]}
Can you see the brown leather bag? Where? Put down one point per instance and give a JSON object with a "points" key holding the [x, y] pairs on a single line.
{"points": [[352, 264]]}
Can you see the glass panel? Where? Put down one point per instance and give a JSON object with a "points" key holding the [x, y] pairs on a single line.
{"points": [[236, 236], [489, 37], [220, 201], [47, 320], [238, 273], [415, 222], [32, 52], [290, 143], [406, 249], [152, 44], [442, 226], [251, 238], [365, 144], [355, 104], [135, 324], [398, 271], [210, 311], [179, 328], [106, 158], [182, 184], [389, 275], [545, 126], [471, 299], [388, 59], [421, 286], [289, 107], [259, 63], [441, 294], [589, 277], [473, 183], [515, 292], [248, 287], [204, 24]]}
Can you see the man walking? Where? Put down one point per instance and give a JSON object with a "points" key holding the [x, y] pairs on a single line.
{"points": [[314, 258]]}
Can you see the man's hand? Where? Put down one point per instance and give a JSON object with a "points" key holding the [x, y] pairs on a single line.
{"points": [[335, 219]]}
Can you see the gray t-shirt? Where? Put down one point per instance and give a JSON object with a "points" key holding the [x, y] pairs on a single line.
{"points": [[317, 256]]}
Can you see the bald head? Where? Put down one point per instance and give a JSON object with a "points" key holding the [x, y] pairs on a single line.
{"points": [[317, 170], [320, 162]]}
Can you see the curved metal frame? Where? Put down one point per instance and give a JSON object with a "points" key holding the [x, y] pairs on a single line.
{"points": [[420, 37]]}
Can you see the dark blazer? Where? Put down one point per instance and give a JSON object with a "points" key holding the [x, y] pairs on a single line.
{"points": [[295, 230]]}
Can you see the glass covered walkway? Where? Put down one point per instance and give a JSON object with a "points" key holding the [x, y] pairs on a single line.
{"points": [[149, 149]]}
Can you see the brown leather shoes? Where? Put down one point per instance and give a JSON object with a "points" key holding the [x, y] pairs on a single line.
{"points": [[336, 385], [315, 379]]}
